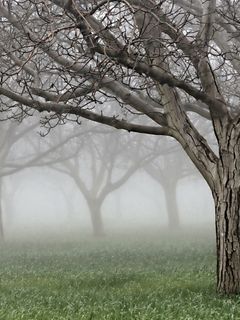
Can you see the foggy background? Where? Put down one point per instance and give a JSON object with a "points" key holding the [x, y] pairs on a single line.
{"points": [[39, 204], [38, 200]]}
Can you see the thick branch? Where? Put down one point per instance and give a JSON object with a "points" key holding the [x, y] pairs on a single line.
{"points": [[61, 108]]}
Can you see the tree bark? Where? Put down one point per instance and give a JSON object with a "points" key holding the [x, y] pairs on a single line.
{"points": [[96, 218], [170, 191], [226, 195], [227, 206]]}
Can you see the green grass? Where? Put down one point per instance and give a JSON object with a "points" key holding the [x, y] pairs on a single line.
{"points": [[145, 278]]}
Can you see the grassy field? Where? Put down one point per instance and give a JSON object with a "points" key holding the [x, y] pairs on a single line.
{"points": [[148, 277]]}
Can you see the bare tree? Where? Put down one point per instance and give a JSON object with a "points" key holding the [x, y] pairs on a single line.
{"points": [[103, 165], [168, 170], [10, 135], [23, 148], [158, 59]]}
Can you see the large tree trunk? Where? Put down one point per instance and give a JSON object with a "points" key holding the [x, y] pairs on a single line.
{"points": [[170, 191], [227, 206], [96, 218]]}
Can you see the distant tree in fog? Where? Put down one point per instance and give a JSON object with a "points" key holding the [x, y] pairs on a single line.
{"points": [[168, 170], [10, 134], [159, 60], [105, 162], [21, 148]]}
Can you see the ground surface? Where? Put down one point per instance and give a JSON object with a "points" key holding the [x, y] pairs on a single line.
{"points": [[124, 278]]}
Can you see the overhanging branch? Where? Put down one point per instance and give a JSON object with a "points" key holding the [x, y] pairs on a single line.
{"points": [[61, 108]]}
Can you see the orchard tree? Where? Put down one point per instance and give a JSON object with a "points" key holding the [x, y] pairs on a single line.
{"points": [[10, 134], [106, 161], [168, 170], [23, 148], [159, 60]]}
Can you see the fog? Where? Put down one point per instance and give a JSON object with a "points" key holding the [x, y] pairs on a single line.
{"points": [[40, 198]]}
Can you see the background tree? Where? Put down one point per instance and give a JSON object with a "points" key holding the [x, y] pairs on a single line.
{"points": [[10, 134], [21, 148], [106, 161], [171, 167], [157, 59], [168, 170]]}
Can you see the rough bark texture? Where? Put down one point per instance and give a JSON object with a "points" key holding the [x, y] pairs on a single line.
{"points": [[228, 241], [227, 206]]}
